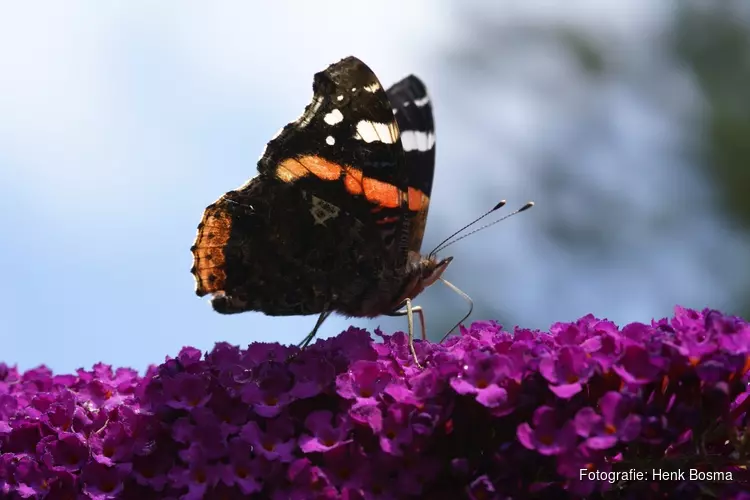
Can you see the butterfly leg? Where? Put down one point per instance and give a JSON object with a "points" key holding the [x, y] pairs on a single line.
{"points": [[466, 297], [409, 311], [320, 321], [414, 309]]}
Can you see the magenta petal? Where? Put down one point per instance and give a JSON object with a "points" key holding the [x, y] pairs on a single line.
{"points": [[585, 421], [283, 451], [461, 386], [630, 428], [547, 369], [311, 444], [566, 391], [319, 420], [344, 386], [368, 414], [492, 396], [525, 435], [248, 484], [400, 393], [601, 442], [592, 345]]}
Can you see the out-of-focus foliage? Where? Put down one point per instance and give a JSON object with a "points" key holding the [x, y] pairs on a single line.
{"points": [[714, 42]]}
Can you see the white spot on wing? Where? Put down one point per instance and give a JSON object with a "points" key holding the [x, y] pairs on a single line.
{"points": [[330, 140], [310, 112], [415, 140], [373, 87], [374, 131], [333, 117], [340, 98], [421, 102]]}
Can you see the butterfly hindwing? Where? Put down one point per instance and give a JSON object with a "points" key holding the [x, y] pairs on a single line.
{"points": [[413, 111]]}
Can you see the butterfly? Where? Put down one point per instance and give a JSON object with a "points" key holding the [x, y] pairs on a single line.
{"points": [[335, 218]]}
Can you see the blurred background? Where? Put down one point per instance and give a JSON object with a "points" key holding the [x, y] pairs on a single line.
{"points": [[628, 123]]}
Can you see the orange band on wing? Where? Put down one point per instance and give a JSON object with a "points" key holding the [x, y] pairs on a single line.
{"points": [[292, 169], [353, 181], [382, 193], [418, 201]]}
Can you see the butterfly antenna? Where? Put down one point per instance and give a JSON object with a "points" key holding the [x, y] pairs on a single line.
{"points": [[499, 205], [445, 244], [466, 298]]}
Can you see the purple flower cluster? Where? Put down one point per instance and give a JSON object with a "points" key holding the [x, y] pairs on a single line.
{"points": [[493, 414]]}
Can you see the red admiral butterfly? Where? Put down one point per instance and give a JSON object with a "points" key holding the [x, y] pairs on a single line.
{"points": [[334, 221]]}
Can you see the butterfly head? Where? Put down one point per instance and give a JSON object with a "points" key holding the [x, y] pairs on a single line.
{"points": [[423, 271]]}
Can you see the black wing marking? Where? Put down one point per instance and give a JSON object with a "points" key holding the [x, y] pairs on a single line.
{"points": [[413, 110]]}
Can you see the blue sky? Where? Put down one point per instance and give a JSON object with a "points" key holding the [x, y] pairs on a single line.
{"points": [[120, 123]]}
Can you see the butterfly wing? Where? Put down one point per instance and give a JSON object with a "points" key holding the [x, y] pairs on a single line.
{"points": [[327, 220], [413, 111]]}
